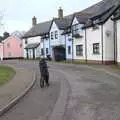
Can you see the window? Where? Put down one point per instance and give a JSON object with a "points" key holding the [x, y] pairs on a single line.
{"points": [[51, 35], [9, 54], [8, 45], [69, 49], [46, 50], [42, 51], [75, 29], [96, 48], [56, 34], [79, 50], [20, 45], [26, 41]]}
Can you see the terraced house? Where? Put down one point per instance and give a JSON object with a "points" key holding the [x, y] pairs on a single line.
{"points": [[91, 35]]}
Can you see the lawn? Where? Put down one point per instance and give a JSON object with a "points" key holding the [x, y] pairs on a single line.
{"points": [[6, 74]]}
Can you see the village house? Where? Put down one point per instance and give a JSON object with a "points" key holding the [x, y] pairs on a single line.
{"points": [[12, 48], [116, 20], [36, 40], [100, 33], [91, 35], [57, 38], [1, 51]]}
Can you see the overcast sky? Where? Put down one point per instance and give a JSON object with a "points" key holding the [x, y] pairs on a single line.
{"points": [[18, 13]]}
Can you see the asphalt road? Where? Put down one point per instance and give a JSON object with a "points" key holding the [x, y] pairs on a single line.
{"points": [[93, 95]]}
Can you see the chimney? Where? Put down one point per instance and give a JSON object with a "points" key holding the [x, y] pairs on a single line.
{"points": [[60, 13], [34, 21]]}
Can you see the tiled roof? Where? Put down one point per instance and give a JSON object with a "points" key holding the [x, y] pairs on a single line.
{"points": [[104, 10], [31, 46], [82, 17], [64, 22], [39, 29], [101, 11]]}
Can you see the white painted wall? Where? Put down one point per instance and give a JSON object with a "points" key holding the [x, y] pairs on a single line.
{"points": [[68, 43], [30, 41], [93, 36], [47, 45], [118, 40], [56, 42], [60, 40], [79, 41], [108, 30]]}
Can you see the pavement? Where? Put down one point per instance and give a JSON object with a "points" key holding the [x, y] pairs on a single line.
{"points": [[76, 92], [15, 88]]}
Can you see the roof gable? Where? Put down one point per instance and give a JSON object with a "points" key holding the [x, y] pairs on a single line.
{"points": [[39, 29]]}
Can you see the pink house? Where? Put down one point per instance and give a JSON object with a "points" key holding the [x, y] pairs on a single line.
{"points": [[1, 51], [12, 48]]}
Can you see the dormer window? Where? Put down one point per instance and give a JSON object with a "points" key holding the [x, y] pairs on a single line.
{"points": [[75, 29], [26, 41], [51, 35], [56, 34]]}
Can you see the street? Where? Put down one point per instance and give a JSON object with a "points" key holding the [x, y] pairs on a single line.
{"points": [[76, 92]]}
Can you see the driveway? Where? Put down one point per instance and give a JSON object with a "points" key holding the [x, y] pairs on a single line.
{"points": [[77, 92]]}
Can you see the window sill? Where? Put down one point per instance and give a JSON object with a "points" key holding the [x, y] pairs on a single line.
{"points": [[96, 53]]}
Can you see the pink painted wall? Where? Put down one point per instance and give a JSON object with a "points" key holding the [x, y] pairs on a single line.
{"points": [[1, 51], [12, 47]]}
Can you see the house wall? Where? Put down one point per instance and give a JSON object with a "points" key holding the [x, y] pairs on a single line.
{"points": [[60, 40], [56, 42], [93, 36], [118, 41], [1, 51], [42, 47], [13, 47], [108, 35], [30, 41], [68, 38], [46, 45], [79, 41]]}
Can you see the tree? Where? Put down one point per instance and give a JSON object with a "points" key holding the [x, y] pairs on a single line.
{"points": [[1, 38], [5, 35]]}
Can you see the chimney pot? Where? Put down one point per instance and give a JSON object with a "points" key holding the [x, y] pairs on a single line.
{"points": [[60, 13], [34, 21]]}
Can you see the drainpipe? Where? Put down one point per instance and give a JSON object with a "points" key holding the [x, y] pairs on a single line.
{"points": [[115, 43], [43, 48], [85, 46], [72, 48], [102, 41], [65, 49]]}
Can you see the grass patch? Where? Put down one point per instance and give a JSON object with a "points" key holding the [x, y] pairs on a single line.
{"points": [[6, 74], [115, 67]]}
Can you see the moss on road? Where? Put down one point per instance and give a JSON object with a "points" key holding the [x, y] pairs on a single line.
{"points": [[6, 74]]}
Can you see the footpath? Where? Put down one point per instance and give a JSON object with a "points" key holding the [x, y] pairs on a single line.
{"points": [[15, 89]]}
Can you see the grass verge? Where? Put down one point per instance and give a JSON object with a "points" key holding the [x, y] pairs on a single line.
{"points": [[6, 74]]}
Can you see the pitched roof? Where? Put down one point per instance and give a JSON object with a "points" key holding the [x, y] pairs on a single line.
{"points": [[103, 12], [39, 29], [33, 45], [64, 22], [100, 7], [82, 17]]}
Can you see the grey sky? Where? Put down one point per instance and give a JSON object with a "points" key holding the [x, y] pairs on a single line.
{"points": [[18, 13]]}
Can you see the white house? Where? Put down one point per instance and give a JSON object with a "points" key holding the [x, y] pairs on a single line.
{"points": [[33, 40], [100, 34], [57, 38], [91, 35], [79, 36], [116, 20]]}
